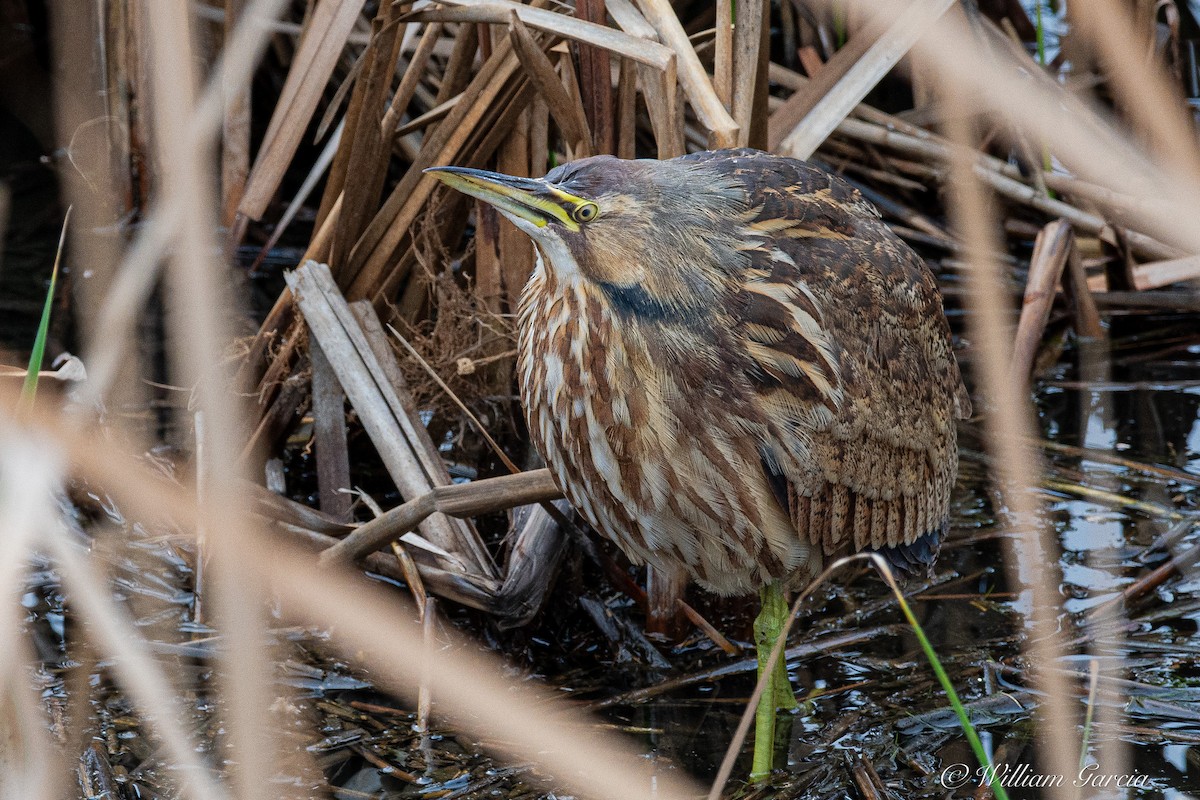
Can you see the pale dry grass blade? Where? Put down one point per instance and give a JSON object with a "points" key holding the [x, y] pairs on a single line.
{"points": [[1149, 98], [198, 301], [29, 475], [139, 268], [1008, 427]]}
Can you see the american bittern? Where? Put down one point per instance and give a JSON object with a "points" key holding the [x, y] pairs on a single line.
{"points": [[734, 369]]}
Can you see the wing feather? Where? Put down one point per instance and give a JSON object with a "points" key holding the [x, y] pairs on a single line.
{"points": [[851, 356]]}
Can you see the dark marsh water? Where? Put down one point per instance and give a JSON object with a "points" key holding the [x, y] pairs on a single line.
{"points": [[871, 705]]}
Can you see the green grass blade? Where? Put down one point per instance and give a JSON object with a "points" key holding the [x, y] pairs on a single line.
{"points": [[1047, 164], [29, 388], [1041, 35], [1093, 681], [952, 696]]}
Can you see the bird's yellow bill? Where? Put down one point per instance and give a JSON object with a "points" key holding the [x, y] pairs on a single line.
{"points": [[534, 201]]}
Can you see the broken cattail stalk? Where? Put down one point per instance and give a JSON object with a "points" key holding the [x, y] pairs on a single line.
{"points": [[384, 418], [1045, 272], [566, 110], [723, 131]]}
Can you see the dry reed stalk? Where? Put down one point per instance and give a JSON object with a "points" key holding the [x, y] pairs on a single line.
{"points": [[415, 431], [373, 255], [1151, 100], [993, 171], [366, 145], [723, 55], [235, 129], [664, 107], [570, 80], [532, 567], [315, 174], [487, 283], [923, 144], [197, 300], [626, 110], [329, 436], [515, 249], [467, 689], [320, 48], [29, 478], [563, 26], [1157, 274], [459, 500], [880, 128], [413, 73], [1088, 144], [749, 88], [595, 72], [143, 680], [1083, 304], [290, 400], [566, 110], [845, 80]]}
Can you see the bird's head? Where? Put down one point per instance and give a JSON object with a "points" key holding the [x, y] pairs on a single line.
{"points": [[657, 237]]}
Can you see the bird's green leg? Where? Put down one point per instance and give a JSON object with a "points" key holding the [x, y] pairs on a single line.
{"points": [[777, 691]]}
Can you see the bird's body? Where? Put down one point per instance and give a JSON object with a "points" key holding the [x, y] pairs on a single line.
{"points": [[793, 398], [734, 370]]}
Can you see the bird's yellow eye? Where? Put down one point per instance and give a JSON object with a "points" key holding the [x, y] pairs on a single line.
{"points": [[585, 212]]}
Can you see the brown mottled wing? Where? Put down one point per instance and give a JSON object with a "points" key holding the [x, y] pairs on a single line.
{"points": [[850, 355]]}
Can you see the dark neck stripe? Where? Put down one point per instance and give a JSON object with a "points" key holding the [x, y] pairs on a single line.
{"points": [[635, 301]]}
